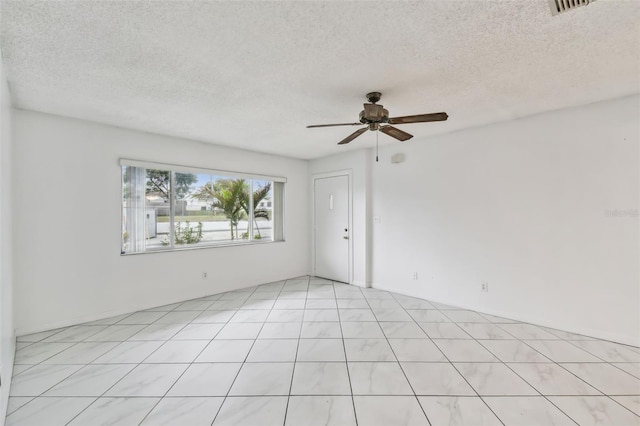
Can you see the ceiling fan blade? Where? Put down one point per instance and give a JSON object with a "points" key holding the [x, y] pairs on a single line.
{"points": [[421, 118], [395, 133], [333, 125], [352, 136]]}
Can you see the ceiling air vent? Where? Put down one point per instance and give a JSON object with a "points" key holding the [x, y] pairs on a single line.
{"points": [[561, 6]]}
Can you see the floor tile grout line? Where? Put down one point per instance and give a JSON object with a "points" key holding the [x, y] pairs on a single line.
{"points": [[122, 341], [561, 339], [295, 359], [225, 397], [522, 378], [144, 323], [136, 366], [41, 340], [583, 380], [76, 341], [147, 325], [524, 341], [345, 394], [180, 376], [533, 387], [83, 366], [129, 372], [346, 361], [398, 361], [52, 355], [41, 395], [572, 342], [622, 369], [303, 361], [248, 353], [64, 350], [191, 363], [83, 410], [450, 363], [8, 413], [499, 360], [584, 337], [518, 375]]}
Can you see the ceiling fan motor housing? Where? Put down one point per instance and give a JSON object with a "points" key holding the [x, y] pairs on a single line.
{"points": [[374, 114]]}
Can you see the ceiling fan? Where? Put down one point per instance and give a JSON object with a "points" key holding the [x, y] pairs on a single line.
{"points": [[375, 117]]}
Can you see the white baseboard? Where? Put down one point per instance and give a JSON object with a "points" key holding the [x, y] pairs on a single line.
{"points": [[359, 283], [611, 336]]}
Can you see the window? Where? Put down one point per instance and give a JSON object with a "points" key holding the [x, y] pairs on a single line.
{"points": [[168, 207]]}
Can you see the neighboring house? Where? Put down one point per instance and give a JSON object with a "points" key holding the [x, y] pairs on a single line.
{"points": [[194, 204], [160, 204], [266, 203]]}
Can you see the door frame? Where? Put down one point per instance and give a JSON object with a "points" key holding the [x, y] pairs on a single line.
{"points": [[349, 174]]}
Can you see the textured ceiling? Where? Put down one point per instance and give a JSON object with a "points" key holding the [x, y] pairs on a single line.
{"points": [[253, 74]]}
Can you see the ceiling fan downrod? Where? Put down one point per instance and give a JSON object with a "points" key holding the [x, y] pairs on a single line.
{"points": [[374, 97]]}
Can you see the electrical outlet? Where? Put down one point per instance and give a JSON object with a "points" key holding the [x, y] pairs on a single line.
{"points": [[415, 275], [204, 275], [484, 287]]}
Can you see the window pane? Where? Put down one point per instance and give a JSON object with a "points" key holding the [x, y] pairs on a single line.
{"points": [[262, 210], [278, 211], [133, 210], [145, 203], [157, 208], [227, 202], [189, 218], [125, 195]]}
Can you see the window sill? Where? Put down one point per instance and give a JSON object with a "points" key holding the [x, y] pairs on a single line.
{"points": [[200, 247]]}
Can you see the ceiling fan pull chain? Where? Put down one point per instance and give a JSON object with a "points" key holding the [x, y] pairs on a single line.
{"points": [[376, 147]]}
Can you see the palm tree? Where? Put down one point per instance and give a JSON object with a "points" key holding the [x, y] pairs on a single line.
{"points": [[227, 195], [258, 195]]}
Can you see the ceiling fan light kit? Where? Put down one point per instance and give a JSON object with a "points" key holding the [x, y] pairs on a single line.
{"points": [[376, 118]]}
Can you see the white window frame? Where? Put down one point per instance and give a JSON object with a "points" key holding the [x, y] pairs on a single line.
{"points": [[278, 229]]}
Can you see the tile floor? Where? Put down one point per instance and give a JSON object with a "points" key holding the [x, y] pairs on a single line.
{"points": [[311, 352]]}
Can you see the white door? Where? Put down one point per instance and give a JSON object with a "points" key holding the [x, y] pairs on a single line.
{"points": [[331, 230]]}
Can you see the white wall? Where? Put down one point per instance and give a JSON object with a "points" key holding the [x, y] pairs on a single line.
{"points": [[359, 164], [521, 205], [68, 267], [7, 336]]}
